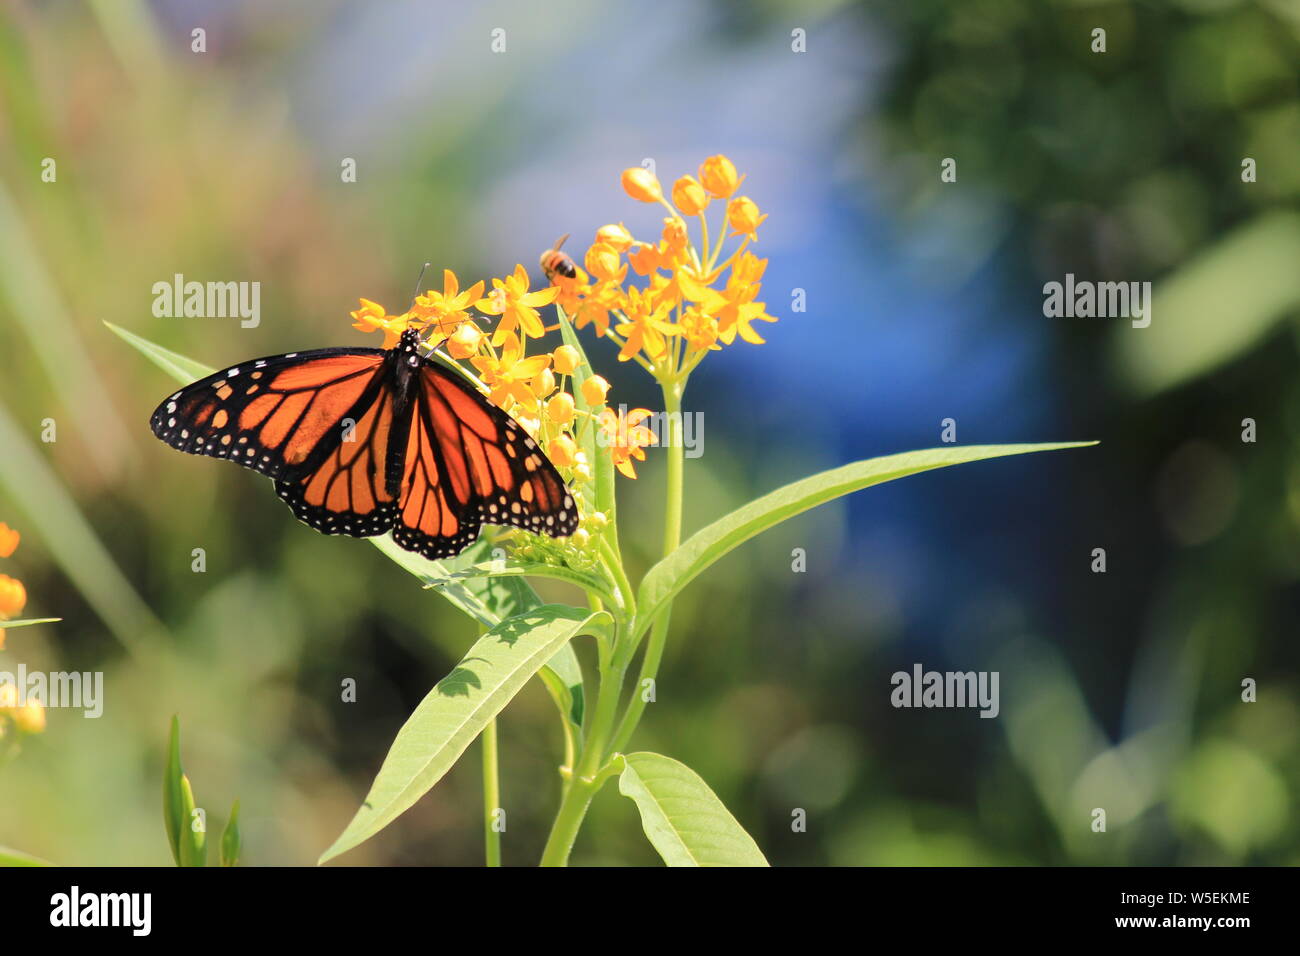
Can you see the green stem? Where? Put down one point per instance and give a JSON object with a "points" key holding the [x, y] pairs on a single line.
{"points": [[654, 651], [491, 795]]}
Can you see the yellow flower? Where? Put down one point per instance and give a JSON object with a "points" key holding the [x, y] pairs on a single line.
{"points": [[625, 437], [743, 217], [13, 597], [565, 360], [718, 176], [507, 375], [675, 236], [642, 185], [372, 317], [446, 309], [699, 330], [596, 306], [594, 390], [734, 308], [602, 261], [647, 325], [30, 717], [517, 307], [465, 341], [561, 451], [560, 408], [615, 236], [689, 196], [8, 540]]}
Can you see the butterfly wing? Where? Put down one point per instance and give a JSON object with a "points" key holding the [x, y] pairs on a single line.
{"points": [[468, 463], [317, 422]]}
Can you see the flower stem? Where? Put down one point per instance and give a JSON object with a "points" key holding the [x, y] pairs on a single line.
{"points": [[491, 795]]}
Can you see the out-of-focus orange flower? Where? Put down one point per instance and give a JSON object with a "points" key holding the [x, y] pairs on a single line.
{"points": [[718, 176], [642, 185], [511, 299], [445, 310], [689, 196], [509, 374], [596, 306], [743, 217], [9, 539], [13, 597], [625, 437]]}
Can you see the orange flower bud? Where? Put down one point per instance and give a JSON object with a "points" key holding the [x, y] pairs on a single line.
{"points": [[615, 236], [8, 540], [718, 176], [560, 408], [30, 717], [464, 342], [13, 596], [561, 451], [544, 383], [743, 216], [594, 390], [645, 258], [565, 360], [602, 261], [675, 234], [641, 184], [689, 196]]}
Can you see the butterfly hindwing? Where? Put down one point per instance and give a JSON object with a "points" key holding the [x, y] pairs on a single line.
{"points": [[468, 463]]}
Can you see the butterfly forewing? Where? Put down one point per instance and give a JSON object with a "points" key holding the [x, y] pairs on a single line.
{"points": [[270, 414]]}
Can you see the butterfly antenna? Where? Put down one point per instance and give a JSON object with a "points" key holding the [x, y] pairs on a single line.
{"points": [[418, 280]]}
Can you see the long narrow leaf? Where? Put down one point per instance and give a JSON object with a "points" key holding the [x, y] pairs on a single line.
{"points": [[663, 581]]}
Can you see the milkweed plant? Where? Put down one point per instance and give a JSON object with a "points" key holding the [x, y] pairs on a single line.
{"points": [[667, 303]]}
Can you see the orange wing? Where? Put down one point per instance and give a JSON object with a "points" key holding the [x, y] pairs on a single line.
{"points": [[468, 463]]}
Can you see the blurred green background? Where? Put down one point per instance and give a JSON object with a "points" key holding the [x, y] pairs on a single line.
{"points": [[1118, 690]]}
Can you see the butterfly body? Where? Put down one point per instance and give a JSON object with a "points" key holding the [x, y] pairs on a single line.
{"points": [[366, 441]]}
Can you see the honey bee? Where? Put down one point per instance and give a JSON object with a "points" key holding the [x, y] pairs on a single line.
{"points": [[555, 262]]}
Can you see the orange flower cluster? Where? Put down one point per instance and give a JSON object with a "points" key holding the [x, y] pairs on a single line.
{"points": [[696, 298], [13, 596]]}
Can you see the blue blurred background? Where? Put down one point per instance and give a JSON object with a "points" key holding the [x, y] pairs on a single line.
{"points": [[1119, 690]]}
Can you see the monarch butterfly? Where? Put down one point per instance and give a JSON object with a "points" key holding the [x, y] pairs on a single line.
{"points": [[363, 441]]}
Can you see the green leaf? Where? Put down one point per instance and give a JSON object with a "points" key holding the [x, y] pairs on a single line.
{"points": [[663, 581], [9, 857], [184, 370], [231, 842], [29, 621], [194, 842], [457, 709], [598, 494], [683, 819], [173, 799]]}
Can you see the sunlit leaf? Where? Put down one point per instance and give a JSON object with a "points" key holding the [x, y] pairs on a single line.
{"points": [[458, 708], [683, 819]]}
